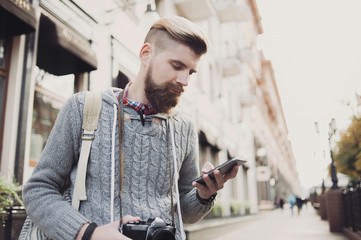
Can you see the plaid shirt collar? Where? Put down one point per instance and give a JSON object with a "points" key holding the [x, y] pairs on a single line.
{"points": [[146, 109]]}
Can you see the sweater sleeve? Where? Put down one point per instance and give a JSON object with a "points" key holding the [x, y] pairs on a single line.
{"points": [[192, 209], [42, 196]]}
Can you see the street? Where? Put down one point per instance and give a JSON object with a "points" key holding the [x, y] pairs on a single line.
{"points": [[272, 225]]}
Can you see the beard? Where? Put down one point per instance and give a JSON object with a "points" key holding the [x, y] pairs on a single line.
{"points": [[162, 97]]}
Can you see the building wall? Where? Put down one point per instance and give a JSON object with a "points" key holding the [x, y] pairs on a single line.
{"points": [[233, 98]]}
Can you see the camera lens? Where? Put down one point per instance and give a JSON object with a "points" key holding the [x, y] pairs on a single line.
{"points": [[161, 234]]}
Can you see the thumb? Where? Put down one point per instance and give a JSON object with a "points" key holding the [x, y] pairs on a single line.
{"points": [[129, 218]]}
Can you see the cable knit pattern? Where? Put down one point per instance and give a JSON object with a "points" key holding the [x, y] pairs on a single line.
{"points": [[146, 186]]}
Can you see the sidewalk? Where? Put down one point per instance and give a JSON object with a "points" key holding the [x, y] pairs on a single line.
{"points": [[270, 225]]}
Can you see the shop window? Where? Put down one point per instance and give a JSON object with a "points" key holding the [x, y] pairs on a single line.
{"points": [[202, 155], [2, 53], [46, 108], [2, 100], [51, 92], [63, 59], [234, 190], [207, 152], [3, 74], [214, 155], [121, 80], [5, 49], [60, 86]]}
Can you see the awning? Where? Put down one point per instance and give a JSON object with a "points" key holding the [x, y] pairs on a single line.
{"points": [[16, 18], [61, 50]]}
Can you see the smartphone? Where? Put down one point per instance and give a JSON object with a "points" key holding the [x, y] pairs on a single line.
{"points": [[225, 167]]}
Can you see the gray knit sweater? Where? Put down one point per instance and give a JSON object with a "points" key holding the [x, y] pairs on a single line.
{"points": [[146, 170]]}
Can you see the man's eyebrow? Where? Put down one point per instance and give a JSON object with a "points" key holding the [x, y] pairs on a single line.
{"points": [[182, 64]]}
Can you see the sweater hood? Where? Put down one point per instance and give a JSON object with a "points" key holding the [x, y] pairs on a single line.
{"points": [[109, 97]]}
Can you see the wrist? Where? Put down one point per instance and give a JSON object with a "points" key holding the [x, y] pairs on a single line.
{"points": [[205, 199], [89, 230], [81, 231]]}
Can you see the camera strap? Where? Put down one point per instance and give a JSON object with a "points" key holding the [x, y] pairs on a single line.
{"points": [[121, 157], [121, 150], [170, 173], [169, 125]]}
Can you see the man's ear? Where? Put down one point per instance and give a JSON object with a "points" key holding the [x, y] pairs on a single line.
{"points": [[145, 53]]}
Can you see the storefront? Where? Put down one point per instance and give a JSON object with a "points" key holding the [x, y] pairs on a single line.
{"points": [[41, 70], [64, 61], [16, 17], [44, 59]]}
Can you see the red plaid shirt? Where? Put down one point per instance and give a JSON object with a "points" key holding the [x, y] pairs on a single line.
{"points": [[146, 109]]}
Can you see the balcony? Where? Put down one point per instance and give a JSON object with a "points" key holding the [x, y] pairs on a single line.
{"points": [[230, 11], [229, 61], [195, 10], [231, 67]]}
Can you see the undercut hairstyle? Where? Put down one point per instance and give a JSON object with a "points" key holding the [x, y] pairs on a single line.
{"points": [[177, 29]]}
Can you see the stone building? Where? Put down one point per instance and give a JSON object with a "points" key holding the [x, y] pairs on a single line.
{"points": [[62, 47]]}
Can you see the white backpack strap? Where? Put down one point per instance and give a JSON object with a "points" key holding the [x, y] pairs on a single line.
{"points": [[92, 108]]}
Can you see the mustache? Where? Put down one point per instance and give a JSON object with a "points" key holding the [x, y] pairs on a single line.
{"points": [[175, 88]]}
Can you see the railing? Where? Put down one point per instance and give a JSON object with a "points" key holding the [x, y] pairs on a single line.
{"points": [[11, 220], [352, 208]]}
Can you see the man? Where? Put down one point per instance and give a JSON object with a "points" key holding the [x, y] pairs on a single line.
{"points": [[171, 53]]}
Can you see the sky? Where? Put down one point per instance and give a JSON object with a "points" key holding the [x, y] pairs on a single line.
{"points": [[315, 50]]}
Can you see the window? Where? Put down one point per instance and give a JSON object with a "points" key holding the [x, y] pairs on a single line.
{"points": [[5, 48], [120, 81], [2, 53], [51, 92], [2, 100], [61, 86]]}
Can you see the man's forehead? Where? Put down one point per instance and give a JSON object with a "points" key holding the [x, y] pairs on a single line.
{"points": [[183, 54]]}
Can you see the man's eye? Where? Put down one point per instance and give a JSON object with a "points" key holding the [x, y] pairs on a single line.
{"points": [[176, 67]]}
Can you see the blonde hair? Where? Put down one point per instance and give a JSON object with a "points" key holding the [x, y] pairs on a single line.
{"points": [[180, 30]]}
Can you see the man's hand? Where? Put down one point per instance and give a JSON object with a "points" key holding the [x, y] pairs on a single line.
{"points": [[211, 187], [108, 231]]}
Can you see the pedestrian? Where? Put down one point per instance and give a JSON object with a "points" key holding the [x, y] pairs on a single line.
{"points": [[281, 202], [299, 203], [170, 54], [291, 201], [305, 202]]}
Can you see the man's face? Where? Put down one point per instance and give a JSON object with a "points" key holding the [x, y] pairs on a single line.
{"points": [[162, 97], [167, 75]]}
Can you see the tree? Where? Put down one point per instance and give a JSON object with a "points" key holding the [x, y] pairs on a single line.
{"points": [[348, 152]]}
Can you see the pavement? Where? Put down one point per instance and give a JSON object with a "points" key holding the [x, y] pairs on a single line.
{"points": [[267, 225]]}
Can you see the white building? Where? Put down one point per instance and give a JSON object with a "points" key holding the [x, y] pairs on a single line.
{"points": [[75, 45]]}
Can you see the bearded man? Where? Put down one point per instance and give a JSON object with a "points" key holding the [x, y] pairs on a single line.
{"points": [[155, 132]]}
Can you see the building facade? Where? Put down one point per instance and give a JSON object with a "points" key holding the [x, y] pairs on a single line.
{"points": [[66, 46]]}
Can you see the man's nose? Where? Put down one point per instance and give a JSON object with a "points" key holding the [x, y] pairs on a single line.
{"points": [[183, 78]]}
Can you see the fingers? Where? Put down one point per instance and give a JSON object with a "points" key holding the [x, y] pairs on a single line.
{"points": [[129, 218], [218, 184], [231, 174], [108, 231], [220, 179], [211, 187]]}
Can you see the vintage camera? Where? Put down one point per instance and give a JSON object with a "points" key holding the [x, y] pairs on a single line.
{"points": [[152, 229]]}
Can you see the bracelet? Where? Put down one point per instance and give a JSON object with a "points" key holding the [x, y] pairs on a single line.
{"points": [[206, 201], [89, 231]]}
